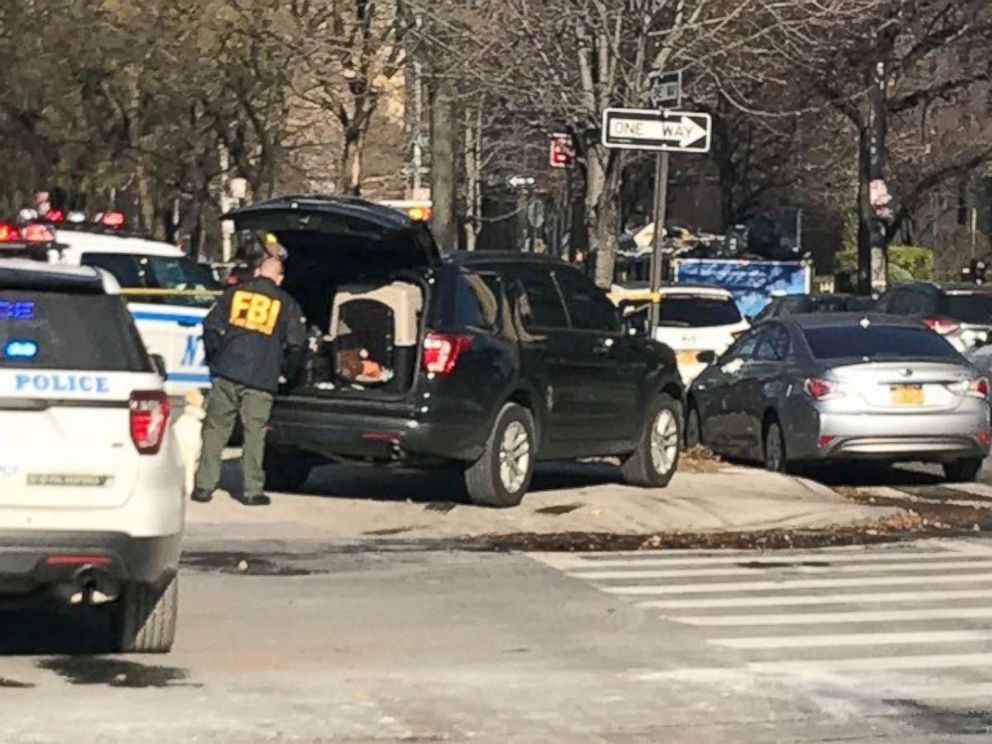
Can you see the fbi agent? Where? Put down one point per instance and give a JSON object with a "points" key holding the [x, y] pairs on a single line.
{"points": [[253, 336]]}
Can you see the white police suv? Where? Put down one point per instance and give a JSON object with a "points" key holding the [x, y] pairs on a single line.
{"points": [[91, 505]]}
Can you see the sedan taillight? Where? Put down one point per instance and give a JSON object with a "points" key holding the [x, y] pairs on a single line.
{"points": [[149, 420], [942, 326], [979, 388], [820, 389]]}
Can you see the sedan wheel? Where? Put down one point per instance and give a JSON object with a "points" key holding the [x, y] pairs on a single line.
{"points": [[775, 457], [693, 429], [963, 471]]}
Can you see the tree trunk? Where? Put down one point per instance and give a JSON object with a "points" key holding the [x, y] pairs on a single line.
{"points": [[602, 213], [865, 213], [473, 178], [352, 161], [443, 140]]}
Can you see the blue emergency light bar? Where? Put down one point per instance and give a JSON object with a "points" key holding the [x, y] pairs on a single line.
{"points": [[20, 350]]}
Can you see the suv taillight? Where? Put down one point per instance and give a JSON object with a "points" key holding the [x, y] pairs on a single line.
{"points": [[441, 351], [149, 420]]}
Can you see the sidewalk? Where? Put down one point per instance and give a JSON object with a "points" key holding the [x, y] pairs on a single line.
{"points": [[356, 504]]}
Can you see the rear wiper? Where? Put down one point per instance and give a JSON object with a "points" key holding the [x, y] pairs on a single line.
{"points": [[674, 324]]}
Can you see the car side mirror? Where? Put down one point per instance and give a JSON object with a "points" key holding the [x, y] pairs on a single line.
{"points": [[706, 357], [158, 362]]}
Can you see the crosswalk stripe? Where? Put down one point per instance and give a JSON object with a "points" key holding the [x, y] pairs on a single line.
{"points": [[828, 618], [784, 586], [681, 573], [874, 663], [814, 599], [965, 691], [860, 664], [571, 562], [853, 639]]}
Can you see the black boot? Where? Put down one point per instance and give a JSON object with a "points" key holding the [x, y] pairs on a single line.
{"points": [[201, 497], [259, 500]]}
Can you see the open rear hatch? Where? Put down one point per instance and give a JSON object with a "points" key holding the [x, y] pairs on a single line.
{"points": [[360, 272]]}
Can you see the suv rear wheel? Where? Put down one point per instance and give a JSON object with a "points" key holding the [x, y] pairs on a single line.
{"points": [[656, 458], [502, 475], [285, 471], [147, 620]]}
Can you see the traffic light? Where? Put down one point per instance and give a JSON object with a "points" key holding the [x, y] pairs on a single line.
{"points": [[562, 151]]}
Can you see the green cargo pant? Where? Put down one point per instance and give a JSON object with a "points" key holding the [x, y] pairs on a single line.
{"points": [[226, 400]]}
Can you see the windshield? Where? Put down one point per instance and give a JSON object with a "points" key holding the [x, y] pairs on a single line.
{"points": [[974, 307], [137, 272], [694, 311], [878, 342], [55, 330]]}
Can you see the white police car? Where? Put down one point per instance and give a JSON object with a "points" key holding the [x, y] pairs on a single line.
{"points": [[151, 273], [91, 504]]}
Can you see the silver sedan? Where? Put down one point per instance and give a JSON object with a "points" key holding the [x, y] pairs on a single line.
{"points": [[812, 388]]}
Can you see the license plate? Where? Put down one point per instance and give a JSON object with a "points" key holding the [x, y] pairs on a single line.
{"points": [[685, 358], [907, 395]]}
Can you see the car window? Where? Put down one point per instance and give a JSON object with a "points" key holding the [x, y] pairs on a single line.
{"points": [[479, 300], [774, 345], [137, 271], [588, 308], [540, 303], [59, 330], [743, 349], [828, 304], [772, 310], [697, 311], [124, 268], [877, 342], [909, 301], [968, 307]]}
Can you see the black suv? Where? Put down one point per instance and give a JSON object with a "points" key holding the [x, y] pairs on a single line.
{"points": [[488, 360], [961, 313]]}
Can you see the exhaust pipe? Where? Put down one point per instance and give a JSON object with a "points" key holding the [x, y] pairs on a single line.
{"points": [[91, 586]]}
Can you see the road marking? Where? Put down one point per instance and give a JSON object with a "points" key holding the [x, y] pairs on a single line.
{"points": [[828, 618], [570, 562], [874, 663], [814, 599], [854, 639], [780, 586], [958, 565]]}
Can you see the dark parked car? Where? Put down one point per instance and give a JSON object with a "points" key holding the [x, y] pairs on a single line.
{"points": [[961, 313], [490, 361], [781, 307], [816, 388]]}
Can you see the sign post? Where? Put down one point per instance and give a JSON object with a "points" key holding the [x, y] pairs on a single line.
{"points": [[663, 132]]}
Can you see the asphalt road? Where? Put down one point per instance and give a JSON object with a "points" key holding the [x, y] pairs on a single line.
{"points": [[310, 645]]}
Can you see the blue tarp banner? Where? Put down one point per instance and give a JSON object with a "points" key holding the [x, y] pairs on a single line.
{"points": [[750, 282]]}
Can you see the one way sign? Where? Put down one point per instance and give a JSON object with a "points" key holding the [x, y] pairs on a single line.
{"points": [[665, 131]]}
